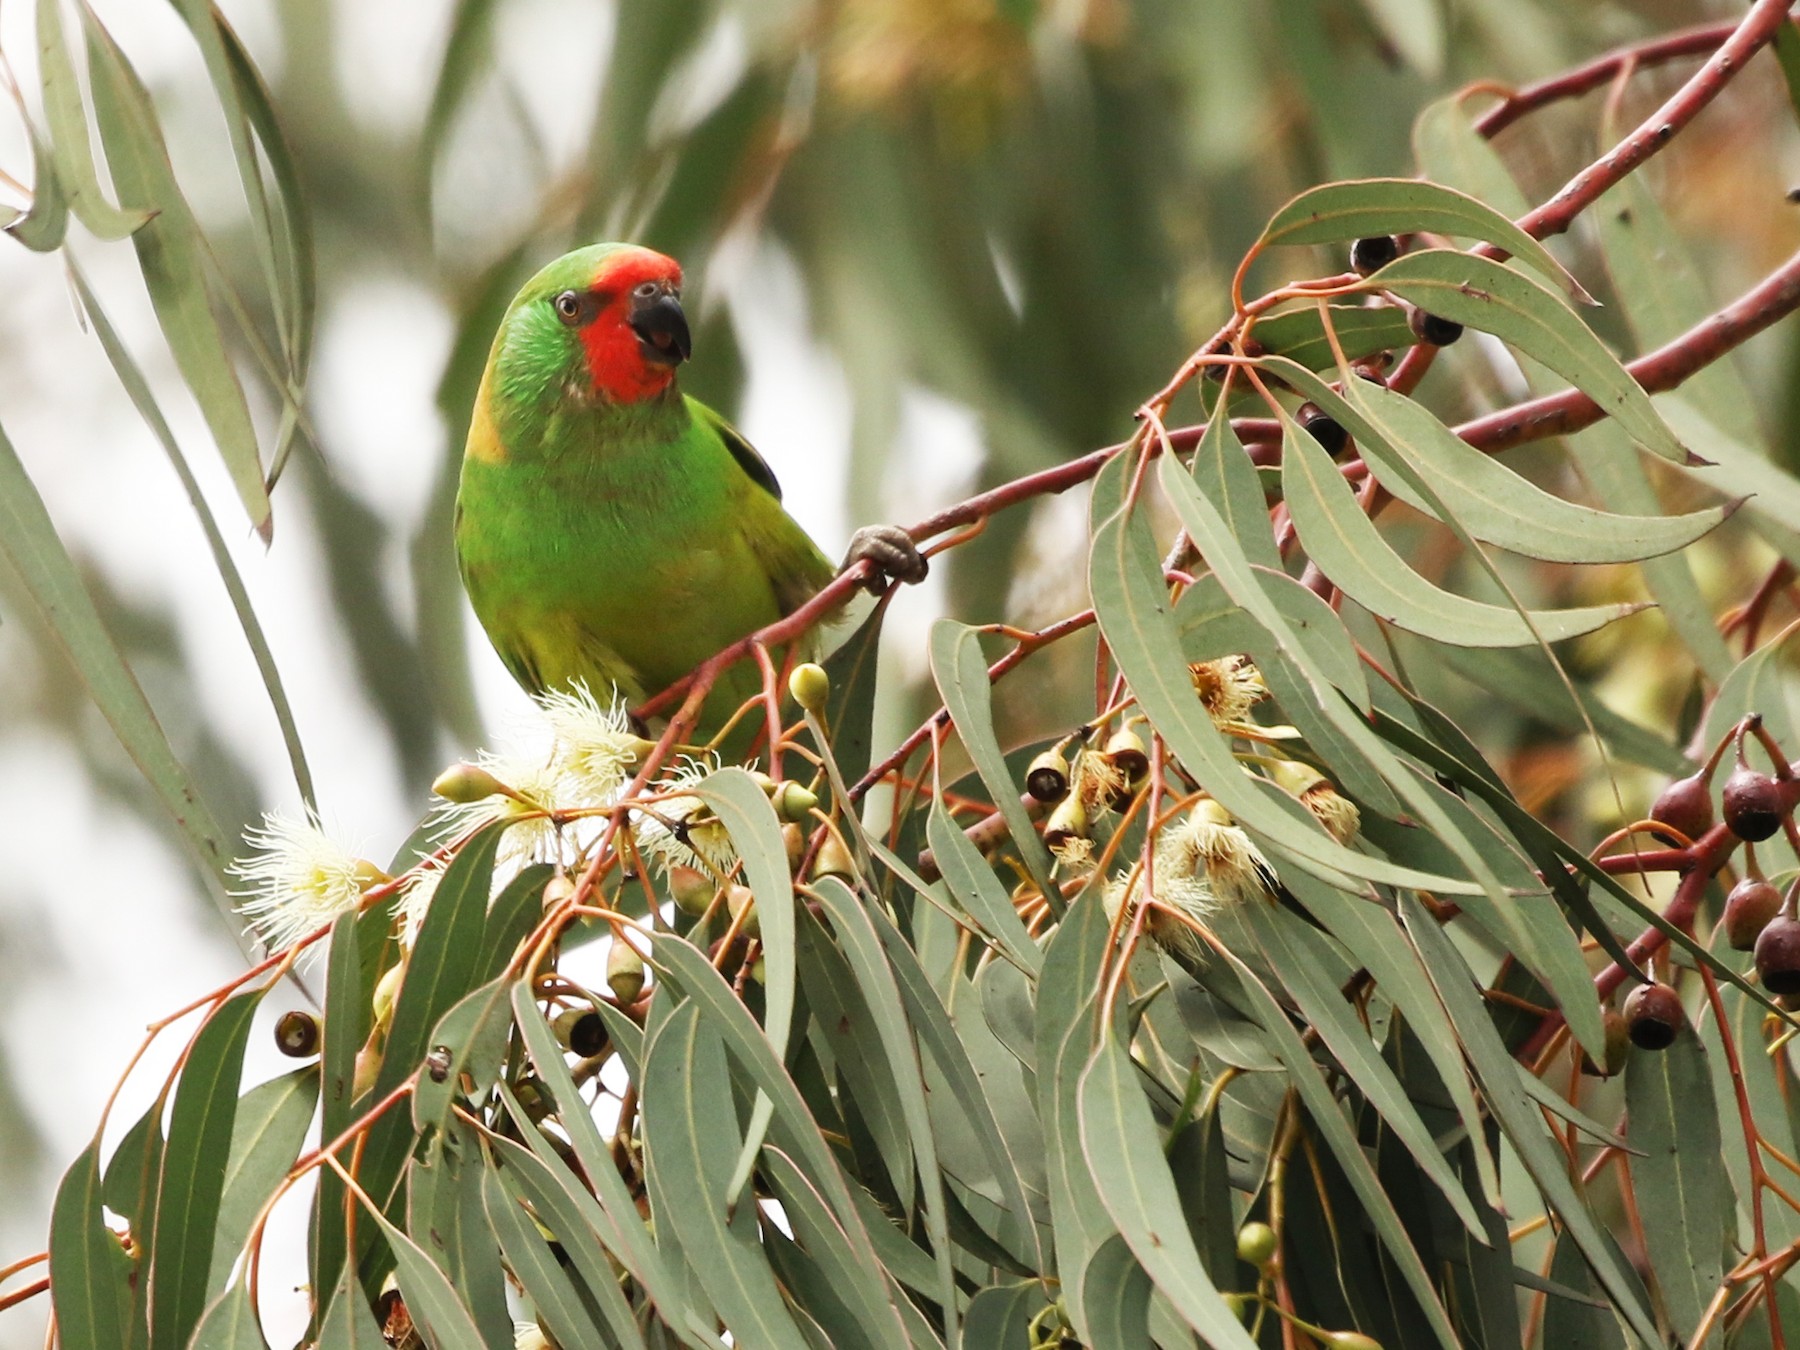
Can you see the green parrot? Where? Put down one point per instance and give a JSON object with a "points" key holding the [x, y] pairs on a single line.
{"points": [[610, 530]]}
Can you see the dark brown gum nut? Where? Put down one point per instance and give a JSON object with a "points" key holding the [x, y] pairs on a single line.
{"points": [[1778, 955], [1047, 778], [1373, 254], [581, 1031], [1618, 1046], [1750, 908], [1323, 428], [1653, 1016], [297, 1034], [1431, 329], [1751, 804], [1686, 804]]}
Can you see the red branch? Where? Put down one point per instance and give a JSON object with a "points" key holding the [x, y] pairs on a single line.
{"points": [[1600, 72], [1759, 26]]}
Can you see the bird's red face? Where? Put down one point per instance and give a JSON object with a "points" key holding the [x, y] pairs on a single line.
{"points": [[630, 323]]}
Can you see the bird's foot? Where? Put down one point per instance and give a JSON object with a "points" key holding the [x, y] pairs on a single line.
{"points": [[891, 554]]}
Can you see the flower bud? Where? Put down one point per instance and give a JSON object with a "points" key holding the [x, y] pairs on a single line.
{"points": [[792, 801], [741, 901], [1752, 804], [387, 989], [558, 890], [1256, 1244], [691, 890], [833, 859], [1047, 777], [1350, 1340], [810, 686], [464, 783], [624, 971], [1750, 908], [1653, 1016], [793, 842], [297, 1034], [369, 876]]}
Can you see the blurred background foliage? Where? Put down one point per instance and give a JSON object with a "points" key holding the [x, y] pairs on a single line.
{"points": [[934, 244]]}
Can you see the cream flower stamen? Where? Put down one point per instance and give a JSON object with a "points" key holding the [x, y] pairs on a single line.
{"points": [[298, 880]]}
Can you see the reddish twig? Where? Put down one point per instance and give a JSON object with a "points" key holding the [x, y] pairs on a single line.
{"points": [[1599, 72]]}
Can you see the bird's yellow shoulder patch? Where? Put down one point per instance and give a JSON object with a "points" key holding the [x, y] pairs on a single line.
{"points": [[484, 437]]}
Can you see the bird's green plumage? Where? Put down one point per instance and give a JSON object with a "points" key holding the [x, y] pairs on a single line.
{"points": [[611, 540]]}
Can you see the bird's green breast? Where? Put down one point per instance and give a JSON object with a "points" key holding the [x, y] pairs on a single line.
{"points": [[611, 544]]}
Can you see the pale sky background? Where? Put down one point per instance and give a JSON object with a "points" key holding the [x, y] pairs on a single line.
{"points": [[100, 931]]}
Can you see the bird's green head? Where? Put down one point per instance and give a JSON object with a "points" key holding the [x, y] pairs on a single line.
{"points": [[602, 324]]}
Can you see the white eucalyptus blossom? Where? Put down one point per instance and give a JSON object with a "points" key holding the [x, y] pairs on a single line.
{"points": [[1209, 843], [593, 748], [297, 880], [680, 830], [1228, 688]]}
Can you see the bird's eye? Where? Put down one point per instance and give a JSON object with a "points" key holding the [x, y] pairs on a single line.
{"points": [[645, 290], [568, 307]]}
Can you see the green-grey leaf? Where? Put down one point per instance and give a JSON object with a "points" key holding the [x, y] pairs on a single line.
{"points": [[1124, 1152], [690, 1135], [472, 1039], [1497, 505], [961, 673], [172, 255], [1225, 474], [42, 227], [554, 1300], [977, 889], [1303, 1073], [138, 388], [1522, 1123], [442, 966], [265, 1139], [1348, 549], [561, 1205], [430, 1297], [610, 1211], [230, 1323], [70, 148], [750, 819], [1373, 206], [187, 1206], [1683, 1192], [1293, 949], [1497, 299], [90, 1274], [349, 1325], [859, 1284]]}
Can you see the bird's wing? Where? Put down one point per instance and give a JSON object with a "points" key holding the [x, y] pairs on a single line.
{"points": [[742, 451], [792, 562]]}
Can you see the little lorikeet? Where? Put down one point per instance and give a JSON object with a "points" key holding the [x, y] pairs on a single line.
{"points": [[610, 530]]}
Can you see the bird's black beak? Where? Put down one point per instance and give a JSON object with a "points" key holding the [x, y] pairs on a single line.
{"points": [[662, 327]]}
